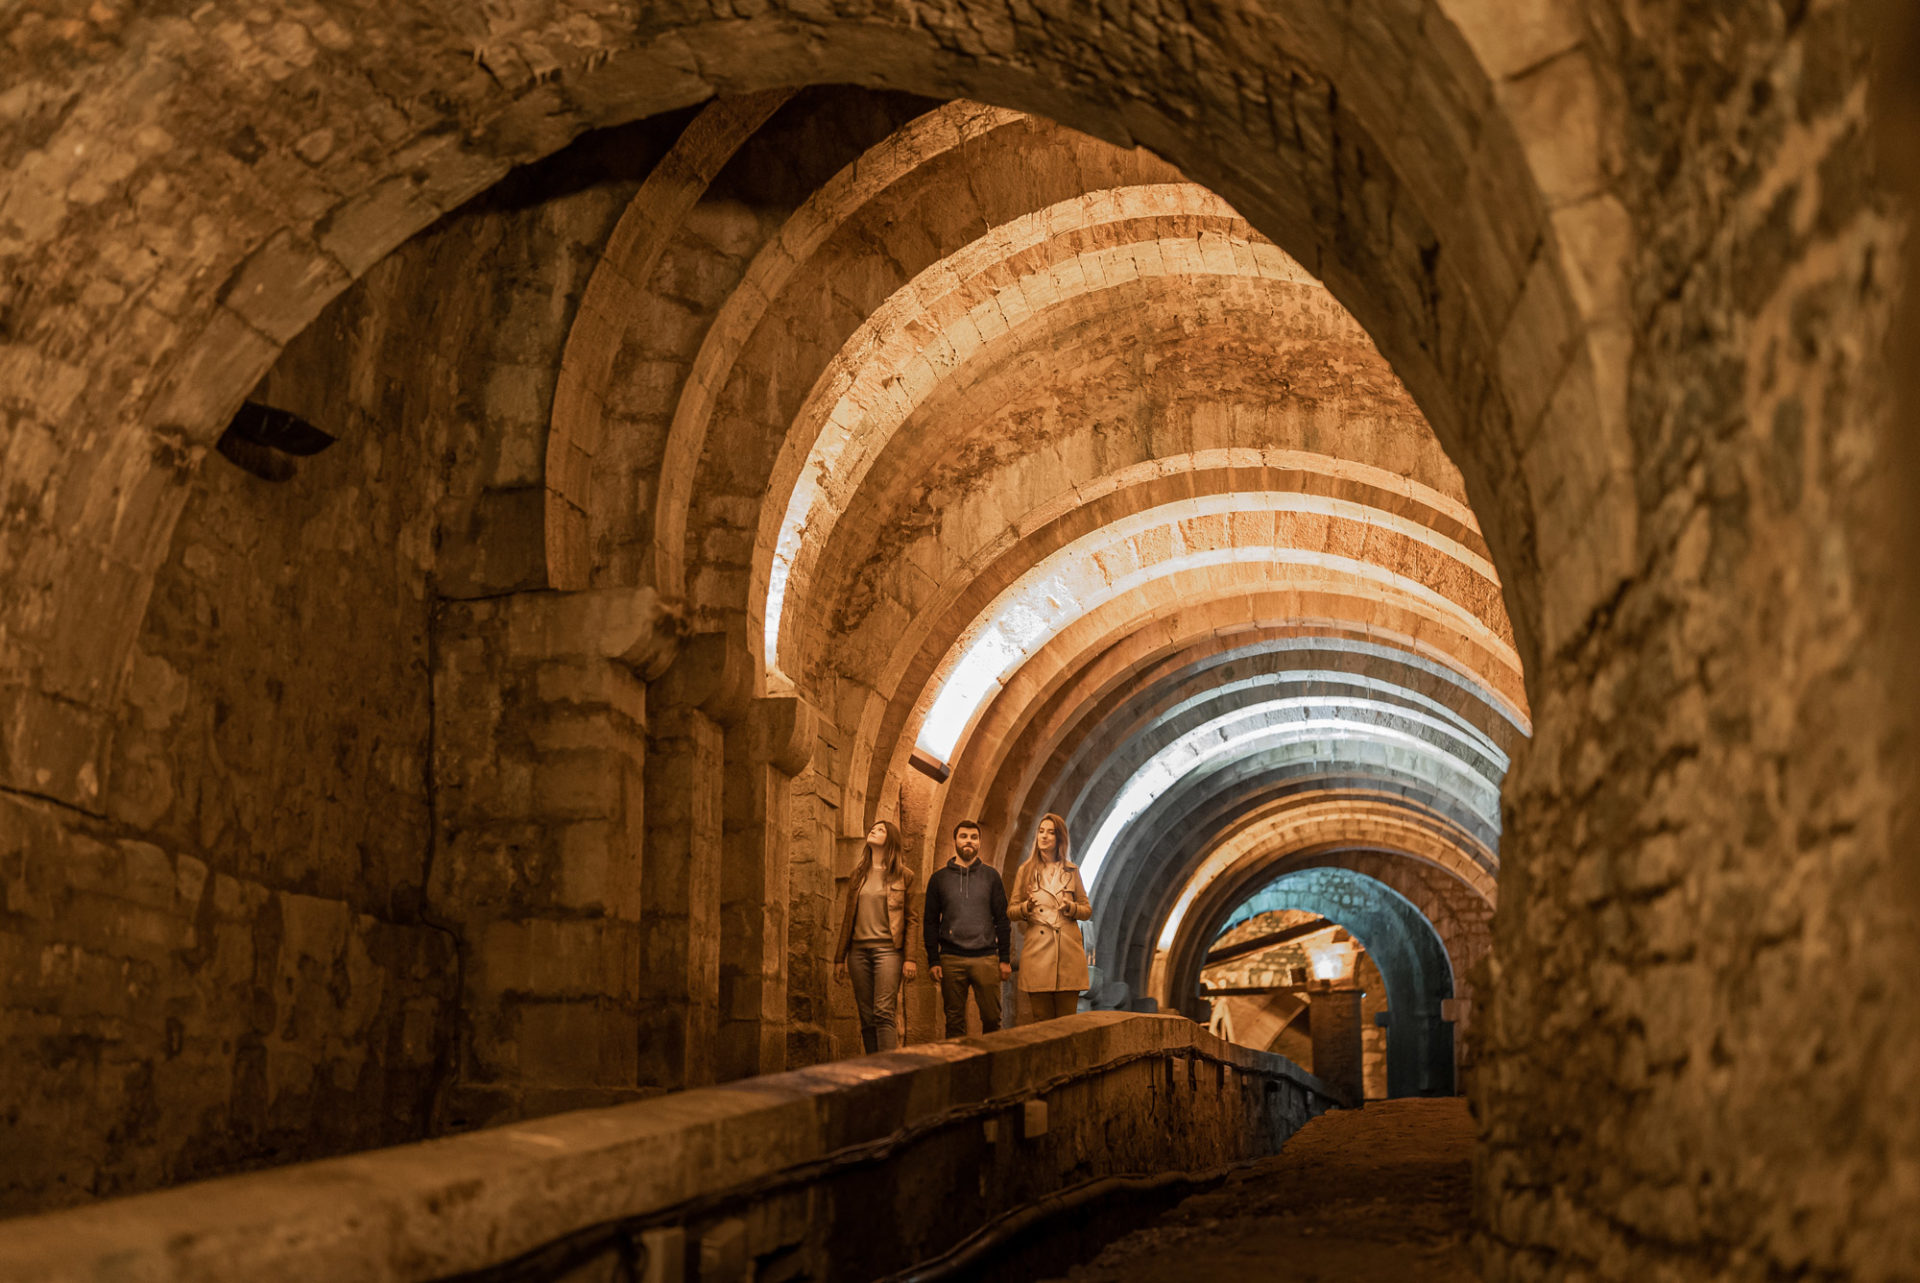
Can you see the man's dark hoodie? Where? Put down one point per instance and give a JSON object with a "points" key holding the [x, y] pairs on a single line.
{"points": [[967, 912]]}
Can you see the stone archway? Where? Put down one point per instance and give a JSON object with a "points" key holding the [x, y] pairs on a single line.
{"points": [[1685, 554], [187, 368], [1412, 962]]}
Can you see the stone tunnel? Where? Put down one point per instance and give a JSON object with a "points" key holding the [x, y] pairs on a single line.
{"points": [[497, 501]]}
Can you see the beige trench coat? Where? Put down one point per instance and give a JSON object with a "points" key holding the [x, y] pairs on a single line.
{"points": [[1052, 959]]}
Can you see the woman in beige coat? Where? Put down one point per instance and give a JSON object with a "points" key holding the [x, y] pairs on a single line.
{"points": [[1051, 901]]}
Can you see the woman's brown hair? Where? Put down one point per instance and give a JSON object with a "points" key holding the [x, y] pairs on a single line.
{"points": [[890, 851], [1061, 843]]}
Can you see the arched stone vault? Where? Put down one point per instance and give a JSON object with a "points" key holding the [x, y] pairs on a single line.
{"points": [[1313, 665], [980, 298], [317, 226], [1209, 499], [1682, 581], [800, 274], [1199, 840], [1153, 276], [1176, 906], [1074, 718], [1328, 541], [1235, 410], [1200, 601], [608, 307]]}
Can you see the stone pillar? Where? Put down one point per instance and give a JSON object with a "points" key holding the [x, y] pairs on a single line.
{"points": [[689, 708], [1337, 1057], [540, 725], [764, 752], [817, 793]]}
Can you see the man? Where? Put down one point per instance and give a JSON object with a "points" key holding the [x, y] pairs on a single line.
{"points": [[969, 938]]}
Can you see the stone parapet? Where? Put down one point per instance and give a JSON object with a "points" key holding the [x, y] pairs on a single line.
{"points": [[782, 1168]]}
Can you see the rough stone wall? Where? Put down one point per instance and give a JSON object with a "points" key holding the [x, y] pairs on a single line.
{"points": [[235, 967], [231, 969], [538, 759], [165, 1020], [1703, 959]]}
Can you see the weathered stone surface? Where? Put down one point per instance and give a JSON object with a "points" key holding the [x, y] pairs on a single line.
{"points": [[165, 1020], [540, 799], [1125, 1094]]}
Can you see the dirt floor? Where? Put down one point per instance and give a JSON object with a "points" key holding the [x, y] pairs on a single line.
{"points": [[1379, 1195]]}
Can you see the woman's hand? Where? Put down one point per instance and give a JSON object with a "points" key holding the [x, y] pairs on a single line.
{"points": [[911, 969]]}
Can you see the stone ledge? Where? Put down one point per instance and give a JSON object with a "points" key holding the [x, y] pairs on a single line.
{"points": [[439, 1208]]}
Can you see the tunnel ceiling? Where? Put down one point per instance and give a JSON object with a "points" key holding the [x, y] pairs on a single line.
{"points": [[1015, 453]]}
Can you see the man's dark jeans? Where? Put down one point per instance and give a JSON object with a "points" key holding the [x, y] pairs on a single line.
{"points": [[982, 975]]}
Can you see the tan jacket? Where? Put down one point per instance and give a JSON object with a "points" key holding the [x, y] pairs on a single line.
{"points": [[903, 908], [1052, 959]]}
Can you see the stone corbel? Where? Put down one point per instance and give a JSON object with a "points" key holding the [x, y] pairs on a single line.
{"points": [[632, 626], [785, 730], [650, 636], [710, 672]]}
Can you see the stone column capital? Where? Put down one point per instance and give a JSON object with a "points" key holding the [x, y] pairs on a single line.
{"points": [[710, 672], [632, 626], [785, 729]]}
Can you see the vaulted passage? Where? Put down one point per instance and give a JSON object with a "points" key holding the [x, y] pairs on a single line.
{"points": [[501, 506]]}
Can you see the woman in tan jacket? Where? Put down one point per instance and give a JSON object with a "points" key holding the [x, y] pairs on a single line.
{"points": [[1051, 901], [880, 913]]}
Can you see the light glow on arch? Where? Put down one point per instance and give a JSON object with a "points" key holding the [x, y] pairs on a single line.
{"points": [[893, 361], [1386, 825], [1398, 696], [1071, 582], [1222, 738]]}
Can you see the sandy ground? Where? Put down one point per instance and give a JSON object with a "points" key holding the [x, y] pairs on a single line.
{"points": [[1379, 1195]]}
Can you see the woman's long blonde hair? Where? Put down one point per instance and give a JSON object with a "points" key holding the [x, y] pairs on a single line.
{"points": [[889, 851], [1061, 843]]}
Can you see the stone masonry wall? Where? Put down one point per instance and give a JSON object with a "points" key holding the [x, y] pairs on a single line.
{"points": [[239, 967], [165, 1020], [230, 969], [1703, 1044], [814, 825], [539, 785]]}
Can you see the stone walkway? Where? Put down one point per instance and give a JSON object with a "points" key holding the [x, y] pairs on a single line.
{"points": [[1380, 1195]]}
